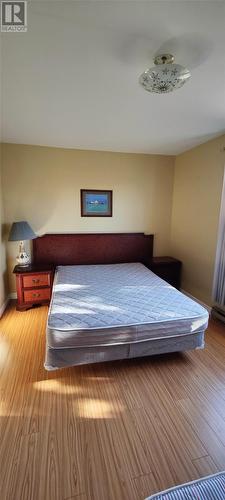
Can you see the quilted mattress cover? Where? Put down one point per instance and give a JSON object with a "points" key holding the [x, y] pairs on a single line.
{"points": [[102, 305], [206, 488]]}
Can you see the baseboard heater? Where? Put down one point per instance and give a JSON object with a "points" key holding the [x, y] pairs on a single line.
{"points": [[218, 312]]}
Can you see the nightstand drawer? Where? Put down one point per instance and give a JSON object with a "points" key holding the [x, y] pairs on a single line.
{"points": [[38, 280], [33, 285], [37, 295]]}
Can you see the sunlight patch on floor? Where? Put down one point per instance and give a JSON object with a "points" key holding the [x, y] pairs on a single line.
{"points": [[55, 386], [4, 354], [97, 408]]}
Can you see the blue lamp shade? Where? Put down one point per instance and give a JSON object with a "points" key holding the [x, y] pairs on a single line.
{"points": [[21, 231]]}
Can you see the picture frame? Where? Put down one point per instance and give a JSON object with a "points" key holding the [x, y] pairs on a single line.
{"points": [[96, 203]]}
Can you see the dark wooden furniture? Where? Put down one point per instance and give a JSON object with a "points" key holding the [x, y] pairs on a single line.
{"points": [[34, 285], [167, 268], [100, 248]]}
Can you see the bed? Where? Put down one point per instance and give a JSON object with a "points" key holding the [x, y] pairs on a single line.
{"points": [[114, 310], [206, 488]]}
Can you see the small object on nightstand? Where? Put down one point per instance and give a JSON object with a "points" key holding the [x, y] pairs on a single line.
{"points": [[21, 231], [167, 268], [34, 285]]}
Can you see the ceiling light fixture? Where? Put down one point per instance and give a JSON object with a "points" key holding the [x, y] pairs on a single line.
{"points": [[165, 76]]}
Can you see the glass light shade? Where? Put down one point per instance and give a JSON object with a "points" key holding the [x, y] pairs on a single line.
{"points": [[165, 76]]}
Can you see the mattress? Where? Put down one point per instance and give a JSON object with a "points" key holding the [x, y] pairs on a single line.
{"points": [[109, 305], [206, 488]]}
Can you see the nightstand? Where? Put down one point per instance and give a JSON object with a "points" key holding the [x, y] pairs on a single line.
{"points": [[167, 268], [34, 285]]}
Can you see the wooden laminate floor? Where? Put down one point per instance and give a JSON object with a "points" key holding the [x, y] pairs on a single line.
{"points": [[115, 431]]}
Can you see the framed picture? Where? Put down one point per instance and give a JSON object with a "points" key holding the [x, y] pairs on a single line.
{"points": [[96, 203]]}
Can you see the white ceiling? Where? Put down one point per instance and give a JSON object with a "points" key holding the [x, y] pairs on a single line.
{"points": [[72, 79]]}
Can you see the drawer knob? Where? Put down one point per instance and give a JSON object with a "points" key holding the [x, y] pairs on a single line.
{"points": [[35, 280], [36, 294]]}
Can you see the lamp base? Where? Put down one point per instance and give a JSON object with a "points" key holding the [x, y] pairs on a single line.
{"points": [[23, 259]]}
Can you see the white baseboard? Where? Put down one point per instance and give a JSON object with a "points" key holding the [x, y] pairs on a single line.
{"points": [[3, 307], [209, 309], [12, 295]]}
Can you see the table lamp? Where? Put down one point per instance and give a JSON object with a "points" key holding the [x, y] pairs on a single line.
{"points": [[21, 231]]}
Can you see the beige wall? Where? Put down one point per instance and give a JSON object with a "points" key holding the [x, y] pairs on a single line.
{"points": [[42, 185], [195, 215], [3, 273]]}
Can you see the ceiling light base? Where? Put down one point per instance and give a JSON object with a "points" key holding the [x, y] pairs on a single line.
{"points": [[164, 59]]}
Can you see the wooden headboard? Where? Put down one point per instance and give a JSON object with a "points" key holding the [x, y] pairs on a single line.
{"points": [[98, 248]]}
